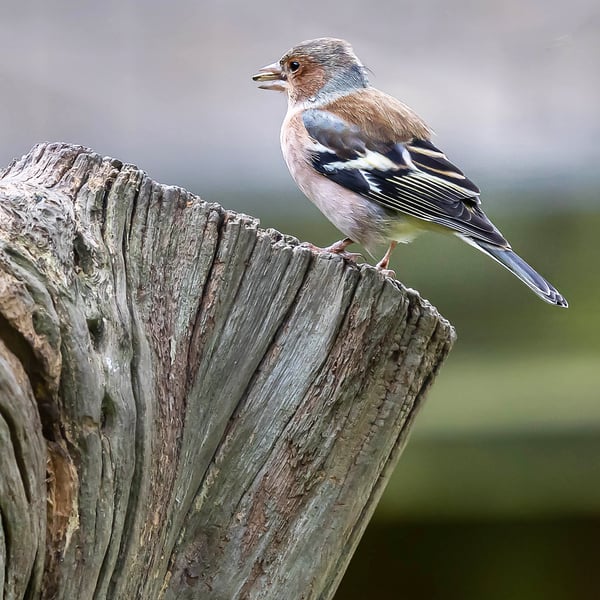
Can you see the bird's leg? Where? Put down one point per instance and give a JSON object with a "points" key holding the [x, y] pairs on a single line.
{"points": [[337, 248], [382, 265]]}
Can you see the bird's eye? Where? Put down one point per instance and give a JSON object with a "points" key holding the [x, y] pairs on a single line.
{"points": [[294, 66]]}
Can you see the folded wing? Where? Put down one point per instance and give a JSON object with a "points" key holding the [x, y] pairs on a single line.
{"points": [[413, 177]]}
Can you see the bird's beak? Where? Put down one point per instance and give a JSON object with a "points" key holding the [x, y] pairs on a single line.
{"points": [[273, 78]]}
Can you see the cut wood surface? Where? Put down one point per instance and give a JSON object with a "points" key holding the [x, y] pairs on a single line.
{"points": [[190, 406]]}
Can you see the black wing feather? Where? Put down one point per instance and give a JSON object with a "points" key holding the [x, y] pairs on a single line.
{"points": [[432, 160], [415, 178]]}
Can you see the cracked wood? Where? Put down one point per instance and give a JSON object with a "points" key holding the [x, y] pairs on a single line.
{"points": [[190, 406]]}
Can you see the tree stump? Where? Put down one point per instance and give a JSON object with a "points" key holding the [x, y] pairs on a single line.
{"points": [[190, 406]]}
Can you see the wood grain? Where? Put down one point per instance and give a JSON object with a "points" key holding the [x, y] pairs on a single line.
{"points": [[190, 406]]}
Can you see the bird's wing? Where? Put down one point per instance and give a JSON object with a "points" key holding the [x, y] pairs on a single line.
{"points": [[412, 177]]}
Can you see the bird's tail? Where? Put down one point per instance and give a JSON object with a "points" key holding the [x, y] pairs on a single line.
{"points": [[517, 266]]}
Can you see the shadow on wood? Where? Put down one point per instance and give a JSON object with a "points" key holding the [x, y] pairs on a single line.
{"points": [[190, 406]]}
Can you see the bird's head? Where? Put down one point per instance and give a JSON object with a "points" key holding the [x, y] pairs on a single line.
{"points": [[325, 67]]}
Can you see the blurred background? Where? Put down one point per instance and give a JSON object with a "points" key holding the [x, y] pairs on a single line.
{"points": [[498, 493]]}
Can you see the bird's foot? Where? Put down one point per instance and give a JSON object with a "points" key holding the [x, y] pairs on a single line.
{"points": [[382, 265], [338, 248], [387, 273]]}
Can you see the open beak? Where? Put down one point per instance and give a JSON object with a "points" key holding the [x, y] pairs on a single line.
{"points": [[271, 78]]}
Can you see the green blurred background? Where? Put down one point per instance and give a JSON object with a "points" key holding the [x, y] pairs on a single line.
{"points": [[497, 495]]}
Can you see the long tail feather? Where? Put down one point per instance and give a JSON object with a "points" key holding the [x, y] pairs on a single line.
{"points": [[517, 266]]}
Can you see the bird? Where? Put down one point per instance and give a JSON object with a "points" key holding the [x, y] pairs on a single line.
{"points": [[367, 161]]}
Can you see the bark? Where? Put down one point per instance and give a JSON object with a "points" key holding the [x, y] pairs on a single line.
{"points": [[190, 406]]}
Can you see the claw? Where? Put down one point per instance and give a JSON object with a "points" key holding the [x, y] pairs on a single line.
{"points": [[387, 273], [351, 256], [338, 248]]}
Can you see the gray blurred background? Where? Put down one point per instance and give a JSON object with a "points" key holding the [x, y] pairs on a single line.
{"points": [[498, 492]]}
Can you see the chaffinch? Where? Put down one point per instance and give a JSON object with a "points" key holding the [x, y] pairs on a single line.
{"points": [[366, 160]]}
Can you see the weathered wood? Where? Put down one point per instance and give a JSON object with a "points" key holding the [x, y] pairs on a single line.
{"points": [[190, 406]]}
